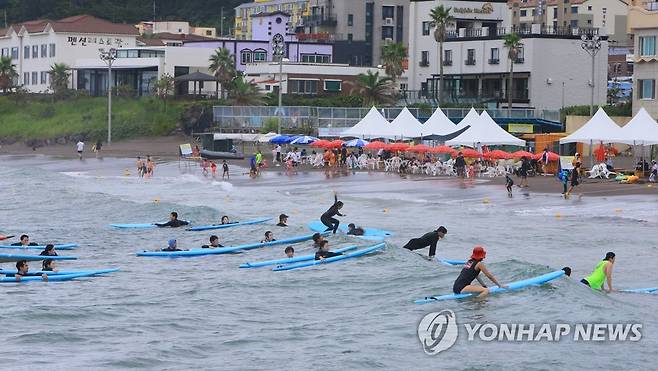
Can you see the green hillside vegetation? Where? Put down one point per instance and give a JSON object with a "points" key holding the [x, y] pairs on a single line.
{"points": [[85, 117]]}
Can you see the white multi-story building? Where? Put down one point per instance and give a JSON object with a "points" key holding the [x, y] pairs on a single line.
{"points": [[643, 25], [551, 70], [36, 46]]}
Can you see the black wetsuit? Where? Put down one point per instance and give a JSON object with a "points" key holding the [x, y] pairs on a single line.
{"points": [[508, 183], [282, 225], [328, 217], [170, 249], [574, 175], [20, 244], [428, 239], [211, 247], [46, 253], [326, 254], [460, 164], [358, 231], [467, 275], [172, 223]]}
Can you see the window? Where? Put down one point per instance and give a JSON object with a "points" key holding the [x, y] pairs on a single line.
{"points": [[589, 8], [260, 55], [350, 19], [35, 78], [14, 53], [447, 57], [495, 56], [520, 56], [534, 12], [52, 51], [574, 10], [424, 58], [523, 13], [316, 58], [208, 33], [470, 57], [304, 86], [647, 46], [647, 89], [245, 56], [589, 22], [426, 28], [44, 51], [26, 52], [26, 78], [387, 32], [574, 23], [605, 10], [44, 79], [350, 37], [333, 85], [35, 51], [5, 52], [555, 12], [387, 11]]}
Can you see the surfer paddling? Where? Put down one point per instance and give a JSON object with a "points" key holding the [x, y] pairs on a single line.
{"points": [[601, 274], [428, 239], [471, 271], [173, 221]]}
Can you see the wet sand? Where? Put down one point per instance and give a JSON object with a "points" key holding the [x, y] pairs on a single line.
{"points": [[166, 149]]}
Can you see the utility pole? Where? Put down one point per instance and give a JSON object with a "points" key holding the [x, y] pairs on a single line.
{"points": [[279, 50], [109, 57], [6, 18], [591, 45], [154, 12], [221, 21]]}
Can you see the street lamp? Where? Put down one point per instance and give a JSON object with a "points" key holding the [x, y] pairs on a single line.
{"points": [[279, 51], [591, 45], [109, 57]]}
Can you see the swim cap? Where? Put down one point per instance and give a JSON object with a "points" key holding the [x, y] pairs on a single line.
{"points": [[478, 253], [171, 243]]}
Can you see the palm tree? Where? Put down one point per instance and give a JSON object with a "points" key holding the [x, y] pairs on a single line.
{"points": [[59, 78], [440, 19], [375, 90], [222, 66], [7, 74], [513, 44], [244, 93], [393, 56]]}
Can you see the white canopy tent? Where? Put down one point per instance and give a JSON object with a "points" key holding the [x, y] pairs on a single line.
{"points": [[406, 125], [485, 131], [469, 119], [600, 128], [439, 124], [372, 125], [641, 130]]}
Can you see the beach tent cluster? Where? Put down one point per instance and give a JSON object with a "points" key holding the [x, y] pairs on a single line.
{"points": [[472, 130], [641, 130]]}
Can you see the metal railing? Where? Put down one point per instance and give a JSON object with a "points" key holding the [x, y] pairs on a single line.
{"points": [[249, 118]]}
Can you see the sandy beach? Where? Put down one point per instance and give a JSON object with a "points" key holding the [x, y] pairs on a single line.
{"points": [[164, 149]]}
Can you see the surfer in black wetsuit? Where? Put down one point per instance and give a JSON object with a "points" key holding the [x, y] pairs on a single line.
{"points": [[173, 221], [49, 250], [22, 270], [471, 271], [283, 220], [290, 252], [354, 230], [328, 217], [214, 243], [324, 252], [269, 237], [428, 239], [25, 241], [317, 238], [48, 265]]}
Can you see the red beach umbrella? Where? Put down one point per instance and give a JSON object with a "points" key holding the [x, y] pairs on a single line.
{"points": [[335, 144], [375, 144], [519, 154], [398, 147], [320, 143], [443, 149], [471, 153], [497, 154], [419, 148]]}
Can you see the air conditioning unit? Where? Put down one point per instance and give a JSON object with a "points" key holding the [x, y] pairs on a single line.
{"points": [[388, 40], [388, 22]]}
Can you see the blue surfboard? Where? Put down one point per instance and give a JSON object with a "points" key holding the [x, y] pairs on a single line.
{"points": [[535, 281], [370, 233], [648, 290], [53, 278], [64, 246], [141, 226], [223, 250], [4, 258], [333, 259], [230, 225], [452, 263], [58, 273], [291, 260]]}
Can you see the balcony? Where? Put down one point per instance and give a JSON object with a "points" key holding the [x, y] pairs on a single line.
{"points": [[320, 20], [494, 61], [424, 63], [536, 30], [447, 62], [469, 62]]}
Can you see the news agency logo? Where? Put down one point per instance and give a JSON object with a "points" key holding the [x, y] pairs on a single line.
{"points": [[438, 331]]}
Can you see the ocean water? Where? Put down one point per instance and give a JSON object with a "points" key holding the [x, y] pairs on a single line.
{"points": [[207, 314]]}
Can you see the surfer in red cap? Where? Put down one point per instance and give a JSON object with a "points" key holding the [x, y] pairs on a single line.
{"points": [[471, 271]]}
